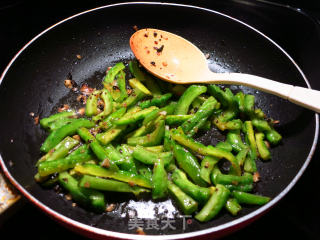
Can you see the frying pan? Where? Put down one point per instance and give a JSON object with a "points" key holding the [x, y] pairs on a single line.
{"points": [[33, 82]]}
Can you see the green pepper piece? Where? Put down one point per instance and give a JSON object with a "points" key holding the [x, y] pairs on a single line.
{"points": [[273, 137], [216, 202], [187, 98], [121, 81], [121, 175], [226, 97], [129, 164], [111, 74], [97, 149], [44, 122], [249, 105], [188, 163], [87, 197], [205, 150], [81, 155], [249, 198], [70, 129], [132, 118], [152, 139], [184, 202], [60, 150], [107, 122], [207, 164], [261, 125], [92, 104], [164, 111], [106, 137], [158, 101], [262, 147], [102, 184], [224, 146], [233, 206], [108, 106], [177, 119], [200, 194], [134, 97], [144, 77], [159, 180], [234, 138], [147, 157], [202, 114]]}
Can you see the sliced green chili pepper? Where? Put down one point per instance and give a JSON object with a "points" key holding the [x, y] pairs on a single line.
{"points": [[202, 114], [121, 175], [44, 122], [234, 138], [207, 164], [262, 147], [158, 101], [121, 80], [184, 202], [226, 97], [164, 111], [54, 125], [135, 83], [132, 118], [249, 105], [106, 137], [87, 197], [249, 198], [56, 136], [92, 104], [200, 194], [60, 150], [109, 78], [98, 183], [261, 125], [108, 106], [97, 149], [134, 97], [188, 163], [159, 180], [224, 146], [203, 150], [81, 155], [233, 206], [216, 202], [152, 139], [187, 98], [107, 122], [273, 137], [144, 77], [177, 119], [147, 157]]}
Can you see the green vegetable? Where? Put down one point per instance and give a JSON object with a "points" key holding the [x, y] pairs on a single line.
{"points": [[159, 180], [187, 98], [187, 162], [98, 183], [44, 122], [70, 129], [216, 202], [248, 198], [121, 175], [184, 202], [87, 197], [200, 194]]}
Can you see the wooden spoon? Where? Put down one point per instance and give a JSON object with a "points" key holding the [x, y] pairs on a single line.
{"points": [[174, 59]]}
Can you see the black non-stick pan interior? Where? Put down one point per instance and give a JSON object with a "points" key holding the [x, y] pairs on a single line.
{"points": [[35, 84]]}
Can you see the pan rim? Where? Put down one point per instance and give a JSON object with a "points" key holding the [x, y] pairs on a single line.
{"points": [[107, 233]]}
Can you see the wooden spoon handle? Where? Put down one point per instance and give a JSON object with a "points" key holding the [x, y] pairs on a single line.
{"points": [[305, 97]]}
